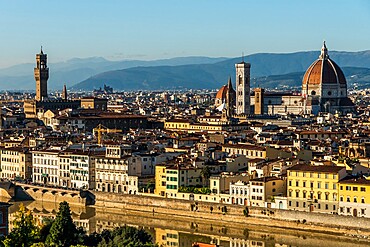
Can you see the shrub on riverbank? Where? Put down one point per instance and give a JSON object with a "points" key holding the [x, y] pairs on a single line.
{"points": [[62, 232], [195, 190]]}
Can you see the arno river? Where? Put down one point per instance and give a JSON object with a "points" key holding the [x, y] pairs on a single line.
{"points": [[167, 231]]}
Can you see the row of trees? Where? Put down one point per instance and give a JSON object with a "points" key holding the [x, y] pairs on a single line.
{"points": [[62, 232]]}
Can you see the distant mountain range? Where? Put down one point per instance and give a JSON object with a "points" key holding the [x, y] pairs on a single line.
{"points": [[20, 77], [267, 70]]}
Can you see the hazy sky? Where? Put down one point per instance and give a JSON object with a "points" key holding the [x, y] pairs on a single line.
{"points": [[151, 29]]}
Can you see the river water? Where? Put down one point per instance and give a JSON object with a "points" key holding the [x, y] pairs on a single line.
{"points": [[168, 231]]}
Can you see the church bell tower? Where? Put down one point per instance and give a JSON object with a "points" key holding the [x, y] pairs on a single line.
{"points": [[243, 88], [41, 76]]}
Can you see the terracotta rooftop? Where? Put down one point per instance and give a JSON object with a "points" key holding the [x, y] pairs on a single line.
{"points": [[312, 168]]}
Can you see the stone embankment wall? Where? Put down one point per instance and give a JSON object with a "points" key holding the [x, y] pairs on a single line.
{"points": [[45, 194], [227, 212]]}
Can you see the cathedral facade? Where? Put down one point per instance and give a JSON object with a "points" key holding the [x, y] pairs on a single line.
{"points": [[324, 89]]}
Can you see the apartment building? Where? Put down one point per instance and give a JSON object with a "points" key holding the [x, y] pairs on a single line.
{"points": [[253, 151], [263, 190], [169, 178], [354, 196], [240, 193], [314, 188], [111, 170], [82, 169], [16, 162], [45, 167]]}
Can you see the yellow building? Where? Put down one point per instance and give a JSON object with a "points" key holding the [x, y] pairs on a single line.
{"points": [[160, 180], [314, 188], [177, 124], [354, 197], [94, 103], [16, 162], [209, 127], [253, 151], [169, 178]]}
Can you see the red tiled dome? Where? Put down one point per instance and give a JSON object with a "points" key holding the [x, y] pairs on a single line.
{"points": [[221, 94], [324, 70]]}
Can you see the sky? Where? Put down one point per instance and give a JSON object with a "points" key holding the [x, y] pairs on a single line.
{"points": [[155, 29]]}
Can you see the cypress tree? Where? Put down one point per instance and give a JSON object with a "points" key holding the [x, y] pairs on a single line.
{"points": [[63, 231]]}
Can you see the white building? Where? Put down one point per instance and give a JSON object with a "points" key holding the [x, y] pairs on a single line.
{"points": [[257, 193], [45, 167], [112, 171], [82, 169], [239, 193]]}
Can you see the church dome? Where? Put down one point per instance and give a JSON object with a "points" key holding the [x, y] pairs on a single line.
{"points": [[324, 71], [221, 94]]}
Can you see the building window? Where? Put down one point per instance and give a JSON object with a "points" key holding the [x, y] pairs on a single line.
{"points": [[355, 188], [348, 199], [362, 199], [297, 204], [363, 189], [355, 199], [348, 187]]}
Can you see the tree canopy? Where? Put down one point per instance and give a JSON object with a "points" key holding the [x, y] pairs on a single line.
{"points": [[62, 232], [25, 229]]}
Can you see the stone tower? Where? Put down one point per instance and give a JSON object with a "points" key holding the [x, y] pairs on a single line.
{"points": [[230, 99], [243, 88], [64, 92], [258, 101], [41, 76]]}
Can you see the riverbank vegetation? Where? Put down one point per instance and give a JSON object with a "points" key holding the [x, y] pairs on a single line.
{"points": [[62, 232], [195, 190]]}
